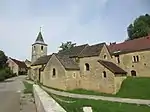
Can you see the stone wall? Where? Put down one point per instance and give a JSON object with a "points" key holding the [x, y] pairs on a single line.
{"points": [[73, 79], [44, 102], [142, 67], [34, 72], [94, 79], [13, 66], [58, 81], [118, 82]]}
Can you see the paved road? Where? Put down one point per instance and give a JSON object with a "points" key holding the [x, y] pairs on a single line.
{"points": [[10, 92]]}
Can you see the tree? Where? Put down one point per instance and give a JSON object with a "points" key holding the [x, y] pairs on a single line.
{"points": [[139, 28], [3, 59], [67, 45]]}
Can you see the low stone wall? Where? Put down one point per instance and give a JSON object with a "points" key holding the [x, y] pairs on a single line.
{"points": [[45, 103]]}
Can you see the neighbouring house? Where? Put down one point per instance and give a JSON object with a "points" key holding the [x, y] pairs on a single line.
{"points": [[18, 67], [98, 67], [133, 56]]}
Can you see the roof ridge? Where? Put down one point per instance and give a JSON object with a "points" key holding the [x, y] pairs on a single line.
{"points": [[97, 44]]}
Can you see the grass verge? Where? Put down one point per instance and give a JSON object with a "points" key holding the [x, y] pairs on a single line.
{"points": [[135, 87], [28, 87], [98, 105]]}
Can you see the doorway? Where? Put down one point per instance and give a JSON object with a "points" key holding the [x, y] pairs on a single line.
{"points": [[133, 73]]}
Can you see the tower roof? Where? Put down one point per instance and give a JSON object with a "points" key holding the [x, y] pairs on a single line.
{"points": [[40, 37]]}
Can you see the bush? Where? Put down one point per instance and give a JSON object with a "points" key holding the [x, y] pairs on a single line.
{"points": [[2, 75], [6, 73]]}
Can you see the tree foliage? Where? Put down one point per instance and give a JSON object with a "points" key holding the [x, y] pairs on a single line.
{"points": [[67, 45], [139, 28], [3, 59]]}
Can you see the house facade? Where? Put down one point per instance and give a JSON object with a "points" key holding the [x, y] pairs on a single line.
{"points": [[18, 67], [98, 67]]}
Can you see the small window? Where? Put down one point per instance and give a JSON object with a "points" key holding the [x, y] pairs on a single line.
{"points": [[87, 67], [104, 74], [74, 75], [42, 48], [105, 56], [34, 48], [137, 58], [117, 58], [54, 72], [134, 59], [77, 59]]}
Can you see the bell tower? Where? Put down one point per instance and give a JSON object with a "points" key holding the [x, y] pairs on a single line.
{"points": [[39, 48]]}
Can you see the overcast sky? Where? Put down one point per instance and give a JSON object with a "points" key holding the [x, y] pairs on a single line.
{"points": [[80, 21]]}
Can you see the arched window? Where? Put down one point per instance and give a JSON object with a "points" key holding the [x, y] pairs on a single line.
{"points": [[87, 67], [42, 48], [105, 56], [54, 72], [104, 74], [133, 73]]}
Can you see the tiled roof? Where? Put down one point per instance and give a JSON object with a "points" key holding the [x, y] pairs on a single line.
{"points": [[75, 51], [67, 62], [42, 60], [131, 46], [93, 50], [112, 67], [21, 64]]}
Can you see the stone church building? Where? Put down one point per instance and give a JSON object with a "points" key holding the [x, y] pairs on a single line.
{"points": [[98, 67]]}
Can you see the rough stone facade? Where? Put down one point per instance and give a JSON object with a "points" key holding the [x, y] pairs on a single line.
{"points": [[141, 67], [17, 66], [13, 66], [105, 75], [61, 79]]}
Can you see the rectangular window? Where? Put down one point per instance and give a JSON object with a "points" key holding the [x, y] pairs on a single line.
{"points": [[134, 59], [117, 58], [137, 58]]}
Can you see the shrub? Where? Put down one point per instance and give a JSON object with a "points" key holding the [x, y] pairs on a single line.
{"points": [[2, 75]]}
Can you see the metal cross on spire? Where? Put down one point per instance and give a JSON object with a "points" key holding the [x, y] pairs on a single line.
{"points": [[40, 29]]}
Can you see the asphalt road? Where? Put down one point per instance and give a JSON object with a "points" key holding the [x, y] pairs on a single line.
{"points": [[10, 92]]}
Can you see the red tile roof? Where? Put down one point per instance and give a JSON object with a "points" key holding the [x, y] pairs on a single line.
{"points": [[131, 46], [21, 64]]}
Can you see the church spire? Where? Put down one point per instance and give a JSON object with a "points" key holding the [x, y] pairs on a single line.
{"points": [[40, 37]]}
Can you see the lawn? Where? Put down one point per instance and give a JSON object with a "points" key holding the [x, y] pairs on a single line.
{"points": [[76, 105], [132, 87], [137, 87], [28, 87]]}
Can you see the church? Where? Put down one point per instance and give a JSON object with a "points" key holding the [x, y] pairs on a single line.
{"points": [[98, 67]]}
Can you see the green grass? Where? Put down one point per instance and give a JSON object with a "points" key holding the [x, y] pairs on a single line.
{"points": [[137, 87], [28, 87], [88, 92], [99, 105]]}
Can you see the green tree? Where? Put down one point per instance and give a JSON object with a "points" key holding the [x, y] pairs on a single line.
{"points": [[139, 28], [67, 45], [3, 59]]}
